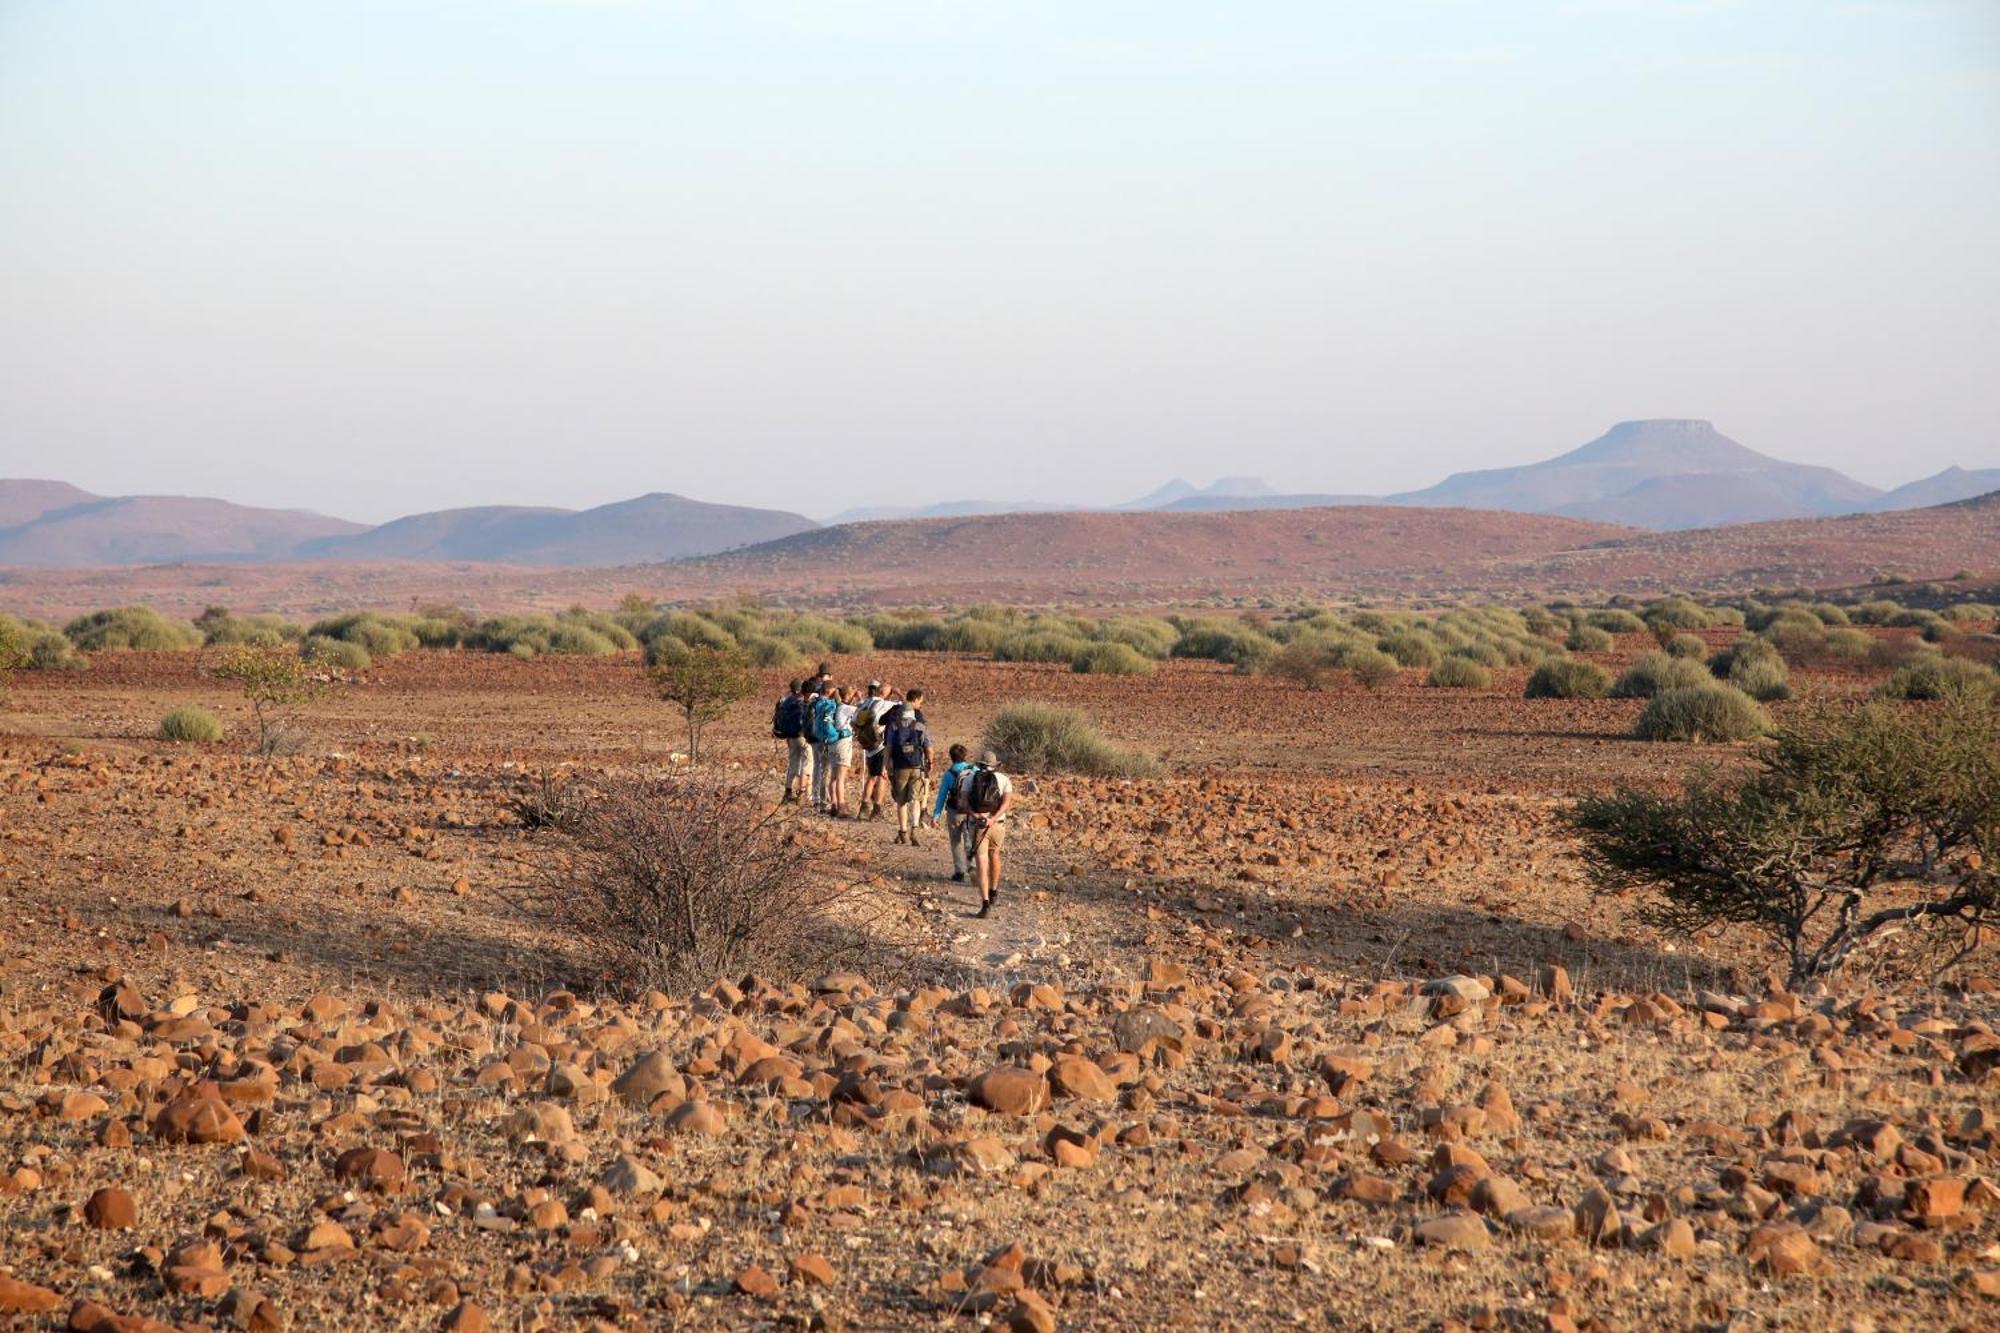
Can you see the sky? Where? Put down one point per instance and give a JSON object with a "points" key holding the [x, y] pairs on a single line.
{"points": [[380, 256]]}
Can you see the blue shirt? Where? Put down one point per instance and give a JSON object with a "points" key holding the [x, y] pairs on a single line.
{"points": [[947, 784]]}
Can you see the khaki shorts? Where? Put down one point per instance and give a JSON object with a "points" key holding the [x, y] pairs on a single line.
{"points": [[993, 835], [906, 783]]}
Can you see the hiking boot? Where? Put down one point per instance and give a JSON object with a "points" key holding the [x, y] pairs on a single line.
{"points": [[899, 837], [958, 877], [984, 908]]}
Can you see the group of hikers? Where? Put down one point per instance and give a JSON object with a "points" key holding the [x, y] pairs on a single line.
{"points": [[827, 728]]}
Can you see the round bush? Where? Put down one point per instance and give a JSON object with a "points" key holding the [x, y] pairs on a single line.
{"points": [[1038, 646], [1710, 712], [336, 653], [131, 629], [1568, 678], [1686, 645], [1936, 677], [1111, 659], [1036, 737], [1481, 652], [1588, 639], [1372, 668], [1761, 677], [1614, 621], [1459, 673], [190, 724], [1655, 673], [1411, 650]]}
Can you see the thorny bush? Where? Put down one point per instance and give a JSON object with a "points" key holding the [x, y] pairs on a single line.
{"points": [[1855, 825], [678, 881]]}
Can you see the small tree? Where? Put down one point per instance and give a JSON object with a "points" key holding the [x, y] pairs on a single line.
{"points": [[273, 680], [1841, 809], [705, 681]]}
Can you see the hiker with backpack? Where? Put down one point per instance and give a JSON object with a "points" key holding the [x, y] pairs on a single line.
{"points": [[788, 724], [869, 720], [957, 827], [909, 748], [986, 797], [823, 730]]}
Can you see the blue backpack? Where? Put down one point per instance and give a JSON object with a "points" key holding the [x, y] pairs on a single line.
{"points": [[789, 718], [823, 728]]}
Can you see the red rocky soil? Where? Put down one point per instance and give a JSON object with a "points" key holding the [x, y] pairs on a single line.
{"points": [[1324, 1030]]}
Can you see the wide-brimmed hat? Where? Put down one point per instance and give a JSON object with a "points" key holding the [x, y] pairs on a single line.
{"points": [[989, 759]]}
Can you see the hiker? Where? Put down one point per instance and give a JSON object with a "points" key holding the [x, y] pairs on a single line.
{"points": [[909, 747], [868, 728], [820, 679], [986, 796], [840, 752], [957, 828], [788, 724], [823, 730]]}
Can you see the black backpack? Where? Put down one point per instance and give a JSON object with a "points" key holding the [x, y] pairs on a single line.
{"points": [[788, 719], [979, 792]]}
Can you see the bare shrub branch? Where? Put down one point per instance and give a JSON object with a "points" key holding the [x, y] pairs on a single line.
{"points": [[678, 881]]}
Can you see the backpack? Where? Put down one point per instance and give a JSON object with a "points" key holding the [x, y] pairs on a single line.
{"points": [[788, 718], [822, 728], [909, 745], [978, 792], [866, 731]]}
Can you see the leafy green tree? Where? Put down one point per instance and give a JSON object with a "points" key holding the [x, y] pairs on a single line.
{"points": [[705, 681], [273, 680]]}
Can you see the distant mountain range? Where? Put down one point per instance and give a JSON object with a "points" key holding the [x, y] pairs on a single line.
{"points": [[1665, 475]]}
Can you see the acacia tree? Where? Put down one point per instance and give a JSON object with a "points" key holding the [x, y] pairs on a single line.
{"points": [[272, 679], [1854, 826], [705, 681]]}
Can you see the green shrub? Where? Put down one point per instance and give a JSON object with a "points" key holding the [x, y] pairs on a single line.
{"points": [[1970, 613], [1935, 677], [1219, 641], [1036, 737], [767, 651], [1706, 712], [1829, 614], [1307, 662], [1877, 612], [1845, 645], [1588, 639], [1145, 634], [190, 724], [1372, 668], [1654, 673], [380, 635], [1111, 659], [1480, 653], [32, 646], [1614, 621], [1762, 678], [1677, 613], [1748, 648], [1685, 645], [1411, 650], [339, 654], [131, 629], [1038, 646], [1568, 678], [1459, 673], [222, 628]]}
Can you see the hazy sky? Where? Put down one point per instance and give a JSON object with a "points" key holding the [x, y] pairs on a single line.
{"points": [[379, 257]]}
